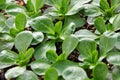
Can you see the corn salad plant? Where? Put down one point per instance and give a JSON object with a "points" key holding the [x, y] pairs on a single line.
{"points": [[59, 39]]}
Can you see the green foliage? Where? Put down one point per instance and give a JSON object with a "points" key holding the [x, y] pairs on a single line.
{"points": [[14, 72], [70, 45], [7, 58], [107, 42], [39, 67], [23, 40], [28, 75], [100, 25], [100, 68], [20, 21], [74, 73], [113, 58], [51, 72], [40, 52]]}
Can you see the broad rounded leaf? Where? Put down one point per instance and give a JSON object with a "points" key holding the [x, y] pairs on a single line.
{"points": [[114, 58], [43, 24], [51, 55], [39, 67], [100, 25], [3, 27], [7, 58], [100, 69], [69, 44], [61, 65], [40, 52], [86, 47], [85, 34], [14, 72], [51, 74], [107, 42], [23, 40], [75, 6], [79, 22], [67, 30], [117, 45], [6, 45], [74, 73], [20, 21], [28, 75], [37, 37], [15, 9], [116, 24], [10, 22], [116, 73]]}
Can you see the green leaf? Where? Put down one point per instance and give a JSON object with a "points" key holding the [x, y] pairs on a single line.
{"points": [[84, 33], [74, 73], [40, 52], [104, 4], [61, 65], [15, 9], [114, 58], [20, 21], [24, 58], [79, 22], [2, 17], [116, 24], [14, 72], [37, 37], [100, 68], [115, 73], [93, 10], [23, 40], [14, 31], [2, 2], [64, 6], [58, 27], [29, 53], [51, 55], [67, 30], [62, 56], [68, 46], [117, 45], [39, 4], [6, 45], [51, 74], [43, 24], [61, 6], [114, 2], [36, 5], [3, 27], [39, 67], [5, 37], [75, 6], [107, 42], [7, 58], [10, 22], [29, 6], [28, 75], [86, 47], [100, 25]]}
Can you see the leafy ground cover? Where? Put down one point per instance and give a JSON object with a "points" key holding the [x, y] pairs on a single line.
{"points": [[59, 39]]}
